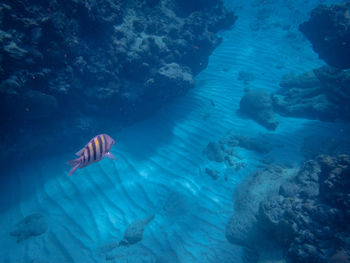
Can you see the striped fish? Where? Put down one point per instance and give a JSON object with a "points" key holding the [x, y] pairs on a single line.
{"points": [[97, 148]]}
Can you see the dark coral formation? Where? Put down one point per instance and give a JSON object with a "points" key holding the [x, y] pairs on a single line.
{"points": [[31, 225], [241, 229], [328, 29], [226, 151], [260, 144], [321, 94], [124, 53], [308, 216], [120, 59], [258, 105], [314, 210]]}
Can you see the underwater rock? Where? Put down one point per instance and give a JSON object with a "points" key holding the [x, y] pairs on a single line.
{"points": [[308, 215], [321, 94], [214, 174], [117, 60], [138, 38], [134, 232], [214, 152], [169, 81], [14, 51], [340, 257], [261, 144], [257, 105], [246, 77], [193, 5], [31, 225], [243, 228], [258, 144], [328, 30]]}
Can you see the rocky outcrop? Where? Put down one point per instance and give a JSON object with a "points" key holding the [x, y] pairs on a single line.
{"points": [[226, 150], [214, 152], [321, 94], [31, 225], [307, 215], [328, 29], [134, 232], [106, 52], [241, 229], [258, 105], [118, 60]]}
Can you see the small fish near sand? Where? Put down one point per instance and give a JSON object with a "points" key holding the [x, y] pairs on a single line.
{"points": [[97, 149]]}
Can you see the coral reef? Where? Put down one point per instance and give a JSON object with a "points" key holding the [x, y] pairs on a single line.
{"points": [[107, 52], [260, 144], [258, 105], [321, 94], [305, 214], [328, 29], [31, 225], [61, 60], [227, 150], [242, 229]]}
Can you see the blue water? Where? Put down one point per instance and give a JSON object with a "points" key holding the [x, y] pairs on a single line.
{"points": [[161, 159]]}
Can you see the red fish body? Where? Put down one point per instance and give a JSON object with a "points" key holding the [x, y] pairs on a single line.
{"points": [[97, 148]]}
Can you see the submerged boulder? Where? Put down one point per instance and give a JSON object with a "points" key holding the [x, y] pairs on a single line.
{"points": [[118, 61], [134, 232], [257, 105], [214, 152], [31, 225], [169, 81], [308, 216], [321, 94], [328, 30]]}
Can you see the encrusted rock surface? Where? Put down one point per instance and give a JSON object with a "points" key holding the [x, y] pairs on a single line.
{"points": [[258, 105], [77, 59], [321, 94], [105, 51], [307, 216], [134, 232], [328, 29]]}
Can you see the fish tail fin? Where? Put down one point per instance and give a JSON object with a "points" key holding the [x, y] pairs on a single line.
{"points": [[75, 163]]}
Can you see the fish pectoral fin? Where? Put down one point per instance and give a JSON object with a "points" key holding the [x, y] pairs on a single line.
{"points": [[110, 156]]}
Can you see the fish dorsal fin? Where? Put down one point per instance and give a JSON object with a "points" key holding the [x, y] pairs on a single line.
{"points": [[79, 153]]}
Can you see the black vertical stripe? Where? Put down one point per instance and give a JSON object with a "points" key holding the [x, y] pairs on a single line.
{"points": [[83, 157], [100, 142], [94, 149], [89, 154]]}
